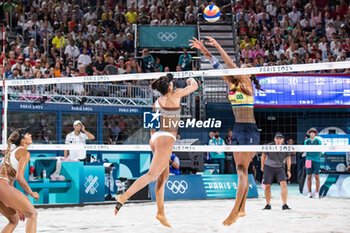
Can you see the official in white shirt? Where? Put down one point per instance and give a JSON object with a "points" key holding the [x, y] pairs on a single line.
{"points": [[78, 136]]}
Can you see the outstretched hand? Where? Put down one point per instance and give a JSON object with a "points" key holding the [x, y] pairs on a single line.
{"points": [[212, 42], [196, 43]]}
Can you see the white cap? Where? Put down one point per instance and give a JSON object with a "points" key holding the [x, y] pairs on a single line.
{"points": [[77, 122]]}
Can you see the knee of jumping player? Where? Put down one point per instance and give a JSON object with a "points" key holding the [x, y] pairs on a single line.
{"points": [[153, 175], [241, 169]]}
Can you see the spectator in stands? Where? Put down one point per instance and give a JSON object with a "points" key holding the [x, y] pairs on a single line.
{"points": [[58, 43], [120, 38], [217, 157], [7, 70], [174, 165], [78, 88], [131, 15], [111, 68], [158, 67], [107, 18], [72, 51], [47, 74], [12, 58], [191, 20], [78, 137], [27, 74], [57, 70], [18, 64], [167, 21], [15, 74], [185, 60], [128, 44], [144, 17], [179, 82], [30, 46], [147, 61], [136, 68], [247, 52], [90, 15], [27, 65], [101, 42], [121, 65], [99, 66], [84, 58]]}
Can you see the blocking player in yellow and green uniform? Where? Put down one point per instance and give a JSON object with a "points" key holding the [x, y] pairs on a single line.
{"points": [[245, 131]]}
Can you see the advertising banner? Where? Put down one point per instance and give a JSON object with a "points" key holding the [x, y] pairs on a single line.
{"points": [[166, 37], [331, 185], [225, 186], [182, 187], [203, 187], [92, 188]]}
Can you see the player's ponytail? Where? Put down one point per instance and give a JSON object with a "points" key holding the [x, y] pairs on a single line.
{"points": [[256, 82]]}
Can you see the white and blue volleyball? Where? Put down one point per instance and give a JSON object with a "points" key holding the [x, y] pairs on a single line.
{"points": [[212, 13]]}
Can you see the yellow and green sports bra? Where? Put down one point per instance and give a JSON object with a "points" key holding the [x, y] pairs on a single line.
{"points": [[240, 98]]}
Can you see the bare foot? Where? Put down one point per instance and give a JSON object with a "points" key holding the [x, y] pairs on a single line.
{"points": [[121, 199], [241, 214], [232, 218], [162, 219]]}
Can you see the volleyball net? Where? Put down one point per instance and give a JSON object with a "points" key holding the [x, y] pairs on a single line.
{"points": [[116, 109]]}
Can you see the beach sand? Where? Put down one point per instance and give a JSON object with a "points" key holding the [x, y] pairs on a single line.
{"points": [[307, 215]]}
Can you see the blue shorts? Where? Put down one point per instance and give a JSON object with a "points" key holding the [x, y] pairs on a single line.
{"points": [[245, 134], [315, 168]]}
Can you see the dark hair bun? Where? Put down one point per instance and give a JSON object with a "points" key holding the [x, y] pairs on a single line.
{"points": [[162, 84]]}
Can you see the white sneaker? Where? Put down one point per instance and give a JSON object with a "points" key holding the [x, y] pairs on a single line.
{"points": [[309, 195], [317, 195]]}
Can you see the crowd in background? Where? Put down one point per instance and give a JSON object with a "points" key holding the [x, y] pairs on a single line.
{"points": [[77, 38], [275, 32]]}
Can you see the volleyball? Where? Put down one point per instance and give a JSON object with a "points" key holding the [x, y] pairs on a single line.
{"points": [[212, 13]]}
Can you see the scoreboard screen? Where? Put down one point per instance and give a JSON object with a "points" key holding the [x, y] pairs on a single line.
{"points": [[303, 90]]}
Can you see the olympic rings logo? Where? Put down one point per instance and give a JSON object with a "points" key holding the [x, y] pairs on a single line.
{"points": [[167, 36], [176, 186]]}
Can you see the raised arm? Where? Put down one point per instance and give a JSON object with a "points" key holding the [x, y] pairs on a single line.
{"points": [[212, 59], [88, 134], [228, 61], [245, 82], [192, 85]]}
